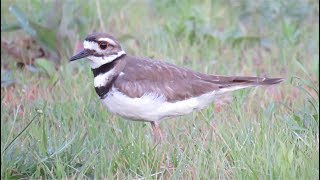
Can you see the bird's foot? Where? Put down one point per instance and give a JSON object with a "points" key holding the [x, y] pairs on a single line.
{"points": [[157, 134]]}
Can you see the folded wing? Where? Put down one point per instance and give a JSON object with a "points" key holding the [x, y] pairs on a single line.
{"points": [[175, 83]]}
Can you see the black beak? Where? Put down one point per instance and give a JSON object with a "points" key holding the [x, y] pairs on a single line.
{"points": [[82, 54]]}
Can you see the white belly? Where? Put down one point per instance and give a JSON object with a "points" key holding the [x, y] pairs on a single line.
{"points": [[152, 107]]}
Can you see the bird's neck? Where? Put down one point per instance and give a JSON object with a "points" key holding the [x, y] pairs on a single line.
{"points": [[106, 74], [108, 66], [98, 61]]}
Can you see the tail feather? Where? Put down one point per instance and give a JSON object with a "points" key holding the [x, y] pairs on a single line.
{"points": [[270, 81], [239, 82]]}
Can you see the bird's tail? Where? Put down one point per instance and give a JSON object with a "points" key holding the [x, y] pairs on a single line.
{"points": [[227, 84]]}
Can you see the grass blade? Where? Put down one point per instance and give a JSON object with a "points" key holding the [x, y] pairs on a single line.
{"points": [[39, 112]]}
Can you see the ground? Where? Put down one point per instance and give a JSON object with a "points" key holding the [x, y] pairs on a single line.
{"points": [[54, 126]]}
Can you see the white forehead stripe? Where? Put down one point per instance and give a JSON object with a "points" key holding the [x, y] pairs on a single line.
{"points": [[108, 40]]}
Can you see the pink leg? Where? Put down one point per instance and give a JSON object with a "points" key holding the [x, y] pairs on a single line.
{"points": [[157, 134]]}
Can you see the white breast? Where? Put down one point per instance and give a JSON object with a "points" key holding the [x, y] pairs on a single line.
{"points": [[102, 79], [152, 107]]}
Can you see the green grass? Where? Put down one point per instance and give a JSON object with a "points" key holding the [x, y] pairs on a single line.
{"points": [[261, 133]]}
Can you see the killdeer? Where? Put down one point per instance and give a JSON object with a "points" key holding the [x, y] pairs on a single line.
{"points": [[147, 90]]}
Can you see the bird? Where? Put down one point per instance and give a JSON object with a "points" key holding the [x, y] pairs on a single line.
{"points": [[143, 89]]}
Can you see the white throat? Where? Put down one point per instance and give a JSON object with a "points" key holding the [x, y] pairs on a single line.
{"points": [[96, 62]]}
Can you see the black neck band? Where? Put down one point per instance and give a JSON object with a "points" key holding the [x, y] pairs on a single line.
{"points": [[106, 67]]}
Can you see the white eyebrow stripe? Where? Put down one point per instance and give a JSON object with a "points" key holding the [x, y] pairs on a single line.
{"points": [[108, 40], [92, 46]]}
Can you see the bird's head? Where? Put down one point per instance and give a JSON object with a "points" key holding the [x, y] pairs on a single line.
{"points": [[100, 49]]}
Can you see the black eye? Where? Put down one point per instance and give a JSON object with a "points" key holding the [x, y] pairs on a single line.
{"points": [[103, 45]]}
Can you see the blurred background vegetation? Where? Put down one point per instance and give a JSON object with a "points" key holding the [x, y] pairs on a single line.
{"points": [[53, 125]]}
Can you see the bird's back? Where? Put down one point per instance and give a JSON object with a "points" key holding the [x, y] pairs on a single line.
{"points": [[141, 76]]}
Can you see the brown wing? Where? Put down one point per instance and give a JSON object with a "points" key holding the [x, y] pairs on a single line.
{"points": [[142, 75], [175, 83]]}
